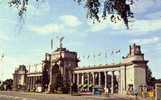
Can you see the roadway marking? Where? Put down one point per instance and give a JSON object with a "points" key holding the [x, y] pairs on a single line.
{"points": [[15, 97]]}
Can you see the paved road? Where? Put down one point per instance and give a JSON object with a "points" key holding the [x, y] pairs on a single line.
{"points": [[12, 95]]}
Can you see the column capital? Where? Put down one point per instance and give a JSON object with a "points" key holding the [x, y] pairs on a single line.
{"points": [[106, 71]]}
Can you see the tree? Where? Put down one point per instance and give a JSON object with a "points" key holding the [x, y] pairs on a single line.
{"points": [[150, 79], [8, 83], [117, 9], [149, 75]]}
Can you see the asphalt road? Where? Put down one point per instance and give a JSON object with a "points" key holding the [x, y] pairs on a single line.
{"points": [[12, 95]]}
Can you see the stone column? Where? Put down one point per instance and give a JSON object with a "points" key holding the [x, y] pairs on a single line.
{"points": [[93, 78], [50, 80], [73, 77], [112, 84], [14, 82], [31, 83], [119, 82], [82, 78], [99, 79], [28, 83], [88, 78], [77, 78], [34, 80], [105, 73], [70, 76]]}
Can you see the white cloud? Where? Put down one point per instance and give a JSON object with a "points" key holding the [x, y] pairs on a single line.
{"points": [[4, 37], [70, 20], [154, 15], [142, 6], [67, 23], [105, 24], [146, 41], [98, 26], [38, 8], [137, 27], [47, 29], [146, 25]]}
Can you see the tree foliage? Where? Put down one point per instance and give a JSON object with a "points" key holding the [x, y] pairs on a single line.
{"points": [[117, 9], [150, 79], [21, 5], [6, 85]]}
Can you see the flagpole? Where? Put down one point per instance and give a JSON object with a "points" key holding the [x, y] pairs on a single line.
{"points": [[112, 56], [120, 56], [51, 44], [106, 62], [94, 56], [1, 62]]}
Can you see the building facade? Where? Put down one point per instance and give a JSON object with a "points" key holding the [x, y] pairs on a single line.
{"points": [[57, 67], [61, 66]]}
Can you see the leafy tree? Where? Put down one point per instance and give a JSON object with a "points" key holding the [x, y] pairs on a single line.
{"points": [[117, 9], [74, 88], [45, 76], [8, 83], [149, 75], [150, 79]]}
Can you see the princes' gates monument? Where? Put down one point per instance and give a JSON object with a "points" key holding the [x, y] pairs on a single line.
{"points": [[61, 66]]}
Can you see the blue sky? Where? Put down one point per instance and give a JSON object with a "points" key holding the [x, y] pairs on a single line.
{"points": [[44, 21]]}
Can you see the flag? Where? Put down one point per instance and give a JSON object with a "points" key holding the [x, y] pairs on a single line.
{"points": [[112, 52], [105, 54], [88, 56], [51, 43], [117, 51], [99, 54], [94, 56], [2, 56], [57, 37]]}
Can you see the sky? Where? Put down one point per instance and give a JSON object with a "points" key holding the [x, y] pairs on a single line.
{"points": [[26, 41]]}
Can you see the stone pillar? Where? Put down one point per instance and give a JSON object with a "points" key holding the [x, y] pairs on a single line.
{"points": [[123, 79], [93, 78], [88, 77], [77, 78], [99, 79], [105, 73], [112, 82], [88, 80], [73, 77], [119, 82], [82, 78], [70, 76], [14, 82], [34, 79], [31, 83], [50, 80], [28, 83]]}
